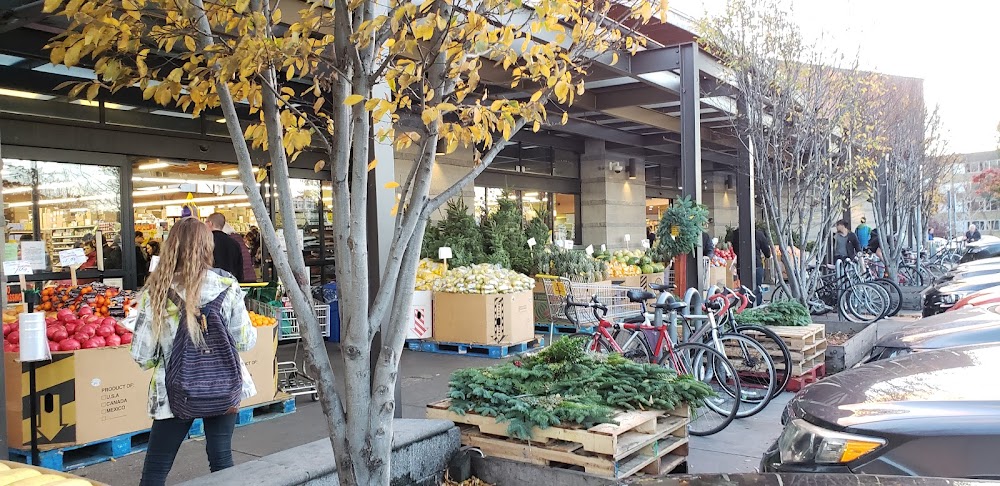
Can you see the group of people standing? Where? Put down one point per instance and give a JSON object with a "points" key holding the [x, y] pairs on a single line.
{"points": [[233, 252]]}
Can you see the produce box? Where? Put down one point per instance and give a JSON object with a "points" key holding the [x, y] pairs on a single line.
{"points": [[423, 320], [489, 319], [262, 363], [650, 278], [85, 396], [719, 276]]}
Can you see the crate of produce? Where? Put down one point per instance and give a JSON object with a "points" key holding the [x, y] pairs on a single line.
{"points": [[652, 442], [288, 323], [9, 470]]}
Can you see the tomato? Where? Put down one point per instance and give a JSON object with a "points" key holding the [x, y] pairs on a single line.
{"points": [[86, 310], [127, 338], [53, 346], [60, 335], [80, 337], [105, 331], [93, 320], [50, 330], [113, 340], [69, 345], [65, 315], [14, 337], [91, 343]]}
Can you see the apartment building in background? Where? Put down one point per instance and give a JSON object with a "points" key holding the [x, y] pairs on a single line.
{"points": [[968, 205]]}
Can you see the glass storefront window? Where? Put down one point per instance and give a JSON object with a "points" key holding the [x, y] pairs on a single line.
{"points": [[566, 163], [73, 206], [487, 201], [536, 160], [306, 201], [564, 217]]}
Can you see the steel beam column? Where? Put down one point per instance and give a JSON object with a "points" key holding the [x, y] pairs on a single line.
{"points": [[691, 147], [745, 199]]}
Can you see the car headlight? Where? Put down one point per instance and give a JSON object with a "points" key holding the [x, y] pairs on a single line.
{"points": [[949, 299], [805, 443]]}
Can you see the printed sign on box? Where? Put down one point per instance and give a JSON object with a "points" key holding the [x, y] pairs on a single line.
{"points": [[422, 325]]}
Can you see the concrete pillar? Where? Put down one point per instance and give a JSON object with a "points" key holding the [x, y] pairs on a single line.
{"points": [[691, 147], [611, 203]]}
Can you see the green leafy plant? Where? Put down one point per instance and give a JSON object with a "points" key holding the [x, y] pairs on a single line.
{"points": [[780, 313], [506, 242], [564, 384], [459, 231], [689, 220], [537, 229]]}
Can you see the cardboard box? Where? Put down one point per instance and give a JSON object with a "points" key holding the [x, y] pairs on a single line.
{"points": [[262, 363], [490, 319], [423, 315], [84, 396], [717, 275], [650, 278]]}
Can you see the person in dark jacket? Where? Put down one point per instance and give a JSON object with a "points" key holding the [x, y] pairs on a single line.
{"points": [[762, 245], [141, 263], [973, 234], [249, 275], [846, 243], [227, 254]]}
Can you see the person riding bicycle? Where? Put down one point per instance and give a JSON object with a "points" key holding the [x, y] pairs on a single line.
{"points": [[846, 244]]}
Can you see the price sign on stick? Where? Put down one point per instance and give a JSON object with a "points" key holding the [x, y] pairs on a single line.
{"points": [[19, 268], [73, 258], [34, 343], [590, 250], [645, 243], [532, 242], [604, 248], [444, 253]]}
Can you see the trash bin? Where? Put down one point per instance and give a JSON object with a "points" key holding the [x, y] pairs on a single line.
{"points": [[330, 298]]}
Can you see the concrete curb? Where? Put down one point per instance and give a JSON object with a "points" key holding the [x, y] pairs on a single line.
{"points": [[420, 453]]}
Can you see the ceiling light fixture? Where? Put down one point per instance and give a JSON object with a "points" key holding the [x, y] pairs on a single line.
{"points": [[25, 94], [195, 200], [230, 172], [154, 165]]}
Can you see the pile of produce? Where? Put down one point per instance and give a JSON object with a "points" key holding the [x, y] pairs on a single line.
{"points": [[24, 475], [564, 384], [617, 270], [69, 331], [261, 321], [103, 300], [780, 313], [572, 264], [483, 279], [723, 255], [427, 272], [624, 263]]}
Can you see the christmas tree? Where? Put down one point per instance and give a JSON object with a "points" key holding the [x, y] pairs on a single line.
{"points": [[459, 231]]}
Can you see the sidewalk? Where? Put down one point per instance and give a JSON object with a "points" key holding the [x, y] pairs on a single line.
{"points": [[424, 380]]}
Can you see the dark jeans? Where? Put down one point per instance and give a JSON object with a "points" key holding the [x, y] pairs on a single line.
{"points": [[759, 280], [166, 437]]}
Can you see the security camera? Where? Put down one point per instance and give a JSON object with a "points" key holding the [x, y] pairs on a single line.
{"points": [[203, 167], [617, 167]]}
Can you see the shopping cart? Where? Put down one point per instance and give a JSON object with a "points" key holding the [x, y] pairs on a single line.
{"points": [[292, 378], [615, 297]]}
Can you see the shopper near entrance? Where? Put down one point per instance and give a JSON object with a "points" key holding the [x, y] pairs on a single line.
{"points": [[248, 274], [762, 250], [864, 232], [973, 235], [141, 261], [185, 308], [845, 243], [227, 254]]}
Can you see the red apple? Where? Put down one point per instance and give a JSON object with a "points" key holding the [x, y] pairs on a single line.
{"points": [[69, 345], [60, 335], [113, 340], [127, 338], [14, 337], [53, 346]]}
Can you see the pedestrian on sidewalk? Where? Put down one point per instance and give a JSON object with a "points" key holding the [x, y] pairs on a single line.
{"points": [[864, 232], [846, 244], [190, 325]]}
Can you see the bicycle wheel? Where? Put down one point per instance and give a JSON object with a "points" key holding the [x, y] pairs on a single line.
{"points": [[864, 303], [713, 369], [895, 295], [779, 294], [634, 346], [778, 350], [909, 276], [755, 368]]}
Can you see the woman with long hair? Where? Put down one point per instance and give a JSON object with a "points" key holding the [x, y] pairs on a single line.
{"points": [[184, 278]]}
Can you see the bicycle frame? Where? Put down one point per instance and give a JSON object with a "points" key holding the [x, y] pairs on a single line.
{"points": [[663, 341]]}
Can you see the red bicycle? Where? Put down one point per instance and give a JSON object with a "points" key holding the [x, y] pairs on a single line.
{"points": [[698, 360]]}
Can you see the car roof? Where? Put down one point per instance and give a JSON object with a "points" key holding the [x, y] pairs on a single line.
{"points": [[980, 282], [967, 326]]}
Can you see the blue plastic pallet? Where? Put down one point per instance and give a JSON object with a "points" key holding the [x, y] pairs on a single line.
{"points": [[251, 415], [559, 329], [76, 456], [477, 350]]}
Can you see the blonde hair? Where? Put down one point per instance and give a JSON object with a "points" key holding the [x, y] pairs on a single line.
{"points": [[185, 258]]}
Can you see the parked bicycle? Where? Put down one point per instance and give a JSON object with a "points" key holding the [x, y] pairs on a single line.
{"points": [[700, 361], [841, 288]]}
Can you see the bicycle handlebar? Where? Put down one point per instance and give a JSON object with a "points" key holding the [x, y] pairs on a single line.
{"points": [[593, 304]]}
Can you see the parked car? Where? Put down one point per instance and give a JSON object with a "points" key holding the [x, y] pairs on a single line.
{"points": [[981, 298], [963, 272], [980, 251], [976, 263], [923, 414], [942, 296], [969, 326]]}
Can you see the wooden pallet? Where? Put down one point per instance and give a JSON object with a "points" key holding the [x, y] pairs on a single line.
{"points": [[655, 444], [631, 431], [76, 456], [478, 350], [813, 375], [799, 337]]}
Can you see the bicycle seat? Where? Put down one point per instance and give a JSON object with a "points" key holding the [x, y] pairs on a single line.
{"points": [[639, 295], [673, 306], [662, 287], [637, 319]]}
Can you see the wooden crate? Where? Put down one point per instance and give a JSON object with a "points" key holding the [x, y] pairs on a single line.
{"points": [[806, 345], [641, 441]]}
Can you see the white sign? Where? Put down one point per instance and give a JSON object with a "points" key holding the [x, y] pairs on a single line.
{"points": [[568, 244], [645, 243], [173, 211], [72, 257], [627, 237], [444, 253], [153, 262], [33, 252], [590, 250], [532, 242], [16, 267], [34, 343], [604, 248]]}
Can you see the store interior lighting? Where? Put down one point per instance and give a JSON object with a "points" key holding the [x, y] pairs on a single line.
{"points": [[25, 94], [162, 180], [154, 165], [154, 191], [232, 172], [196, 200], [107, 104], [49, 202]]}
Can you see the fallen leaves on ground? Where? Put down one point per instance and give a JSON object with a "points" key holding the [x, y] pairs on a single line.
{"points": [[473, 481]]}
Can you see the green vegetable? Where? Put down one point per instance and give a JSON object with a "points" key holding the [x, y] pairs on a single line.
{"points": [[565, 384], [781, 313]]}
